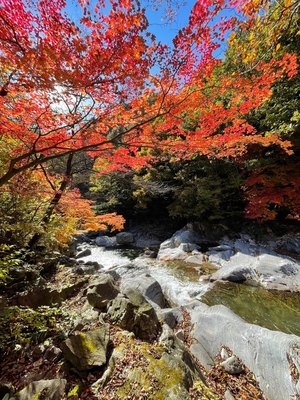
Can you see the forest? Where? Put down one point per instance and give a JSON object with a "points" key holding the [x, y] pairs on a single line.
{"points": [[106, 131]]}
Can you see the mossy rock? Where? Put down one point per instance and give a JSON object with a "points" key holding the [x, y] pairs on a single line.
{"points": [[53, 389], [135, 314], [86, 350], [159, 375]]}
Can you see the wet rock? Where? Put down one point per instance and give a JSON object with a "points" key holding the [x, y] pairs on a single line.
{"points": [[53, 389], [84, 253], [170, 254], [232, 365], [236, 274], [102, 291], [106, 241], [124, 238], [86, 350], [90, 267], [195, 259]]}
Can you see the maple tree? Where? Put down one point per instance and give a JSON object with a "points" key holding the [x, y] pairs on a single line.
{"points": [[69, 86]]}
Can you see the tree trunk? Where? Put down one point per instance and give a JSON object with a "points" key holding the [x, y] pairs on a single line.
{"points": [[54, 202]]}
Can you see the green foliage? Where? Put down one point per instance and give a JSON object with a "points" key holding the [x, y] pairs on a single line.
{"points": [[21, 325], [9, 258], [207, 189], [113, 192], [195, 189]]}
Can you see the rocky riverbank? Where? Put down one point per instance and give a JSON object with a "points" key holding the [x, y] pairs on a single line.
{"points": [[116, 323]]}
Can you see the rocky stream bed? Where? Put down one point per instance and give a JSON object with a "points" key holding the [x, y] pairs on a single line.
{"points": [[138, 317]]}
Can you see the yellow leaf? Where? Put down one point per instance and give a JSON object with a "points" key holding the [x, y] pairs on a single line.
{"points": [[277, 46]]}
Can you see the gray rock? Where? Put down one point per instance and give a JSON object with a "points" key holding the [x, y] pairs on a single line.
{"points": [[106, 241], [84, 253], [102, 291], [91, 267], [256, 265], [53, 389], [124, 238], [195, 259], [179, 245], [237, 274], [150, 253], [53, 354], [170, 316], [134, 314], [266, 353], [169, 254], [148, 287], [167, 337], [86, 350], [188, 247], [86, 316], [289, 244], [232, 365]]}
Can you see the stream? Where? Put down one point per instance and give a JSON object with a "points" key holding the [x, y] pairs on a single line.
{"points": [[181, 283]]}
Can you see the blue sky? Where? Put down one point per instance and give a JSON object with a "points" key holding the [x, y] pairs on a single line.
{"points": [[159, 25], [163, 29]]}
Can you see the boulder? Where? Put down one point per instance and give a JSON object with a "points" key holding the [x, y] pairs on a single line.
{"points": [[84, 253], [106, 241], [195, 259], [102, 291], [52, 389], [148, 287], [289, 244], [124, 238], [255, 264], [273, 357], [91, 267], [236, 274], [134, 314], [179, 245], [170, 254], [86, 350]]}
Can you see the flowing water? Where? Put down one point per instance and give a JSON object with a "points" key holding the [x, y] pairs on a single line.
{"points": [[181, 282]]}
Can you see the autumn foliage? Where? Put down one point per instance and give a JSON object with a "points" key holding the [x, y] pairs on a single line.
{"points": [[98, 82]]}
